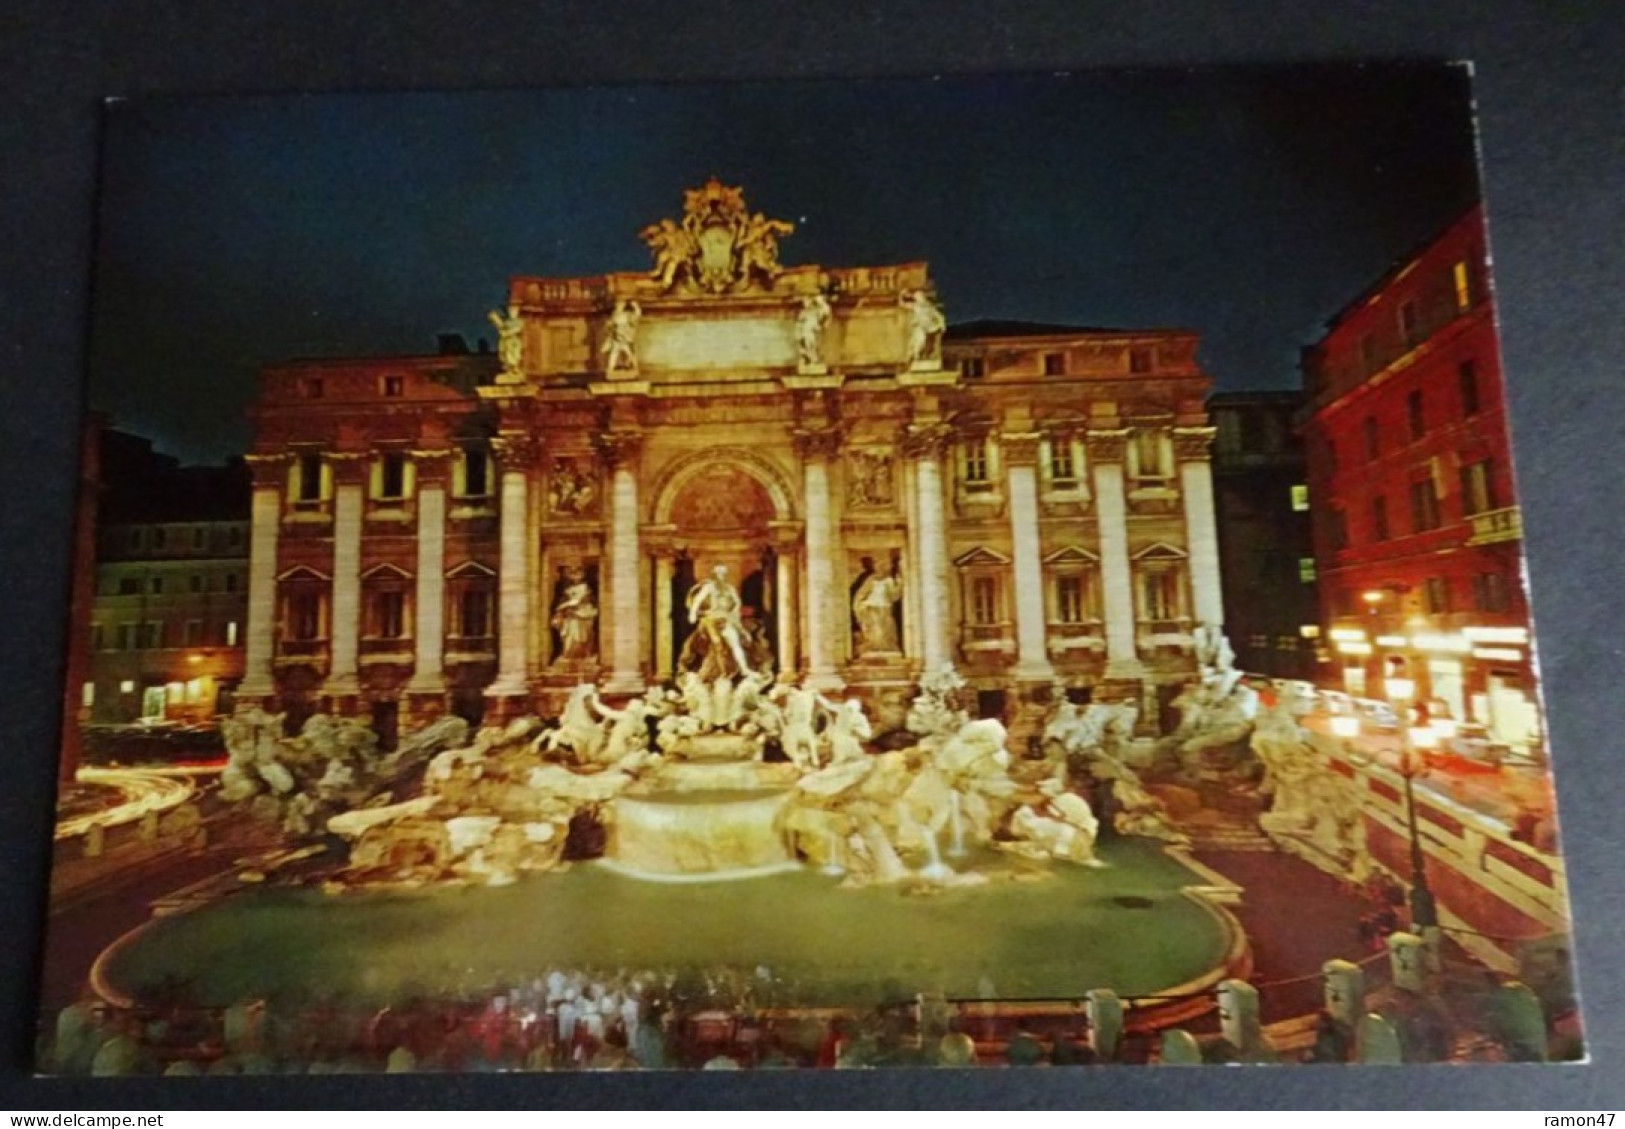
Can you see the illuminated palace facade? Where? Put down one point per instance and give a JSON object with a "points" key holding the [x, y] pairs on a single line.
{"points": [[478, 532]]}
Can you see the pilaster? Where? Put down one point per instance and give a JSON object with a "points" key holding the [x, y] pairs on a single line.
{"points": [[1193, 450], [816, 448], [265, 526], [1106, 449], [343, 683], [1020, 452], [923, 445], [620, 451]]}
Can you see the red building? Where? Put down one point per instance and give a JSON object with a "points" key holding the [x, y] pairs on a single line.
{"points": [[1417, 533]]}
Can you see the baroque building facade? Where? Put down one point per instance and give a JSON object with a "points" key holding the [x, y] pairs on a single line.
{"points": [[1028, 505], [1418, 537]]}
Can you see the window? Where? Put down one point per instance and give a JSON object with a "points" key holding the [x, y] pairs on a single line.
{"points": [[1491, 593], [1159, 593], [155, 585], [129, 586], [393, 385], [1150, 459], [975, 456], [1410, 327], [1373, 442], [1464, 285], [231, 633], [234, 536], [984, 600], [386, 614], [1141, 359], [152, 635], [474, 612], [1414, 415], [1338, 520], [1368, 355], [1467, 383], [231, 582], [310, 477], [1300, 498], [193, 633], [1054, 364], [1379, 519], [1061, 465], [1424, 506], [135, 538], [304, 614], [200, 538], [194, 583], [159, 536], [127, 636], [1306, 570], [1477, 488], [98, 637], [392, 475], [973, 367], [1069, 599], [476, 476], [1435, 596]]}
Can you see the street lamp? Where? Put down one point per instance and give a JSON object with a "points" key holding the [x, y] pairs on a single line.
{"points": [[1424, 911]]}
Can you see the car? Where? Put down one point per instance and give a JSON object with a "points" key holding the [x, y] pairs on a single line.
{"points": [[1378, 715]]}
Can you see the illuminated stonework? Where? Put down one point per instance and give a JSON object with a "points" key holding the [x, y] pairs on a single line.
{"points": [[1035, 497]]}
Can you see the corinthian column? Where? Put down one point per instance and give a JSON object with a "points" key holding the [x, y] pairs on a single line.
{"points": [[429, 629], [1116, 577], [619, 451], [816, 448], [265, 517], [923, 446], [1021, 458], [349, 473], [1193, 449], [515, 455]]}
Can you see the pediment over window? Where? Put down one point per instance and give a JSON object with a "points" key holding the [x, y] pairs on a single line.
{"points": [[1071, 555], [470, 570], [300, 573], [386, 571], [1160, 551], [981, 555]]}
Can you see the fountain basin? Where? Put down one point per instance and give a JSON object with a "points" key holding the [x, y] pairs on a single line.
{"points": [[699, 834]]}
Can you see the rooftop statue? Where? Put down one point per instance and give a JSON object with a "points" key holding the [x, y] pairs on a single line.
{"points": [[718, 246]]}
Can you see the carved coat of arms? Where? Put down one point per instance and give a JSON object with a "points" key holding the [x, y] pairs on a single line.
{"points": [[718, 246]]}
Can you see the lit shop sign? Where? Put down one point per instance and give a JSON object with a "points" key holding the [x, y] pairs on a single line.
{"points": [[1452, 644], [1347, 635], [1354, 647], [1498, 654], [1391, 640], [1517, 636]]}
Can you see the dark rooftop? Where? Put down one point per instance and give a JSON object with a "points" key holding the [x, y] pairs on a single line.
{"points": [[1004, 328]]}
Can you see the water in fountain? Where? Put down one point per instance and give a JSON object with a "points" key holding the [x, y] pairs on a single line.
{"points": [[935, 869], [833, 866], [956, 845]]}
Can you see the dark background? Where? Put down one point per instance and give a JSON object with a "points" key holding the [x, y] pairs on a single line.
{"points": [[1550, 101]]}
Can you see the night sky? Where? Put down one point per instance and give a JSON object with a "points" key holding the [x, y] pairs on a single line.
{"points": [[1247, 205]]}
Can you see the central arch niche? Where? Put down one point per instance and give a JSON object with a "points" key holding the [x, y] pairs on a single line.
{"points": [[720, 510]]}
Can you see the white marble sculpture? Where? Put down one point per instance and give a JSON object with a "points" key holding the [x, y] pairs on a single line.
{"points": [[812, 322], [510, 340], [575, 617], [620, 343], [874, 606], [925, 327]]}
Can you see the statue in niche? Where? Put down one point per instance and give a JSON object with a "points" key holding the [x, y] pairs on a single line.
{"points": [[874, 607], [573, 490], [575, 616], [811, 324], [510, 340], [925, 327], [620, 346], [871, 481], [716, 645]]}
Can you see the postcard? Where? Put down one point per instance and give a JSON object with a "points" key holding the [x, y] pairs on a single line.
{"points": [[996, 571]]}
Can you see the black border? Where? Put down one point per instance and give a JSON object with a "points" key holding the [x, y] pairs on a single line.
{"points": [[1550, 101]]}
